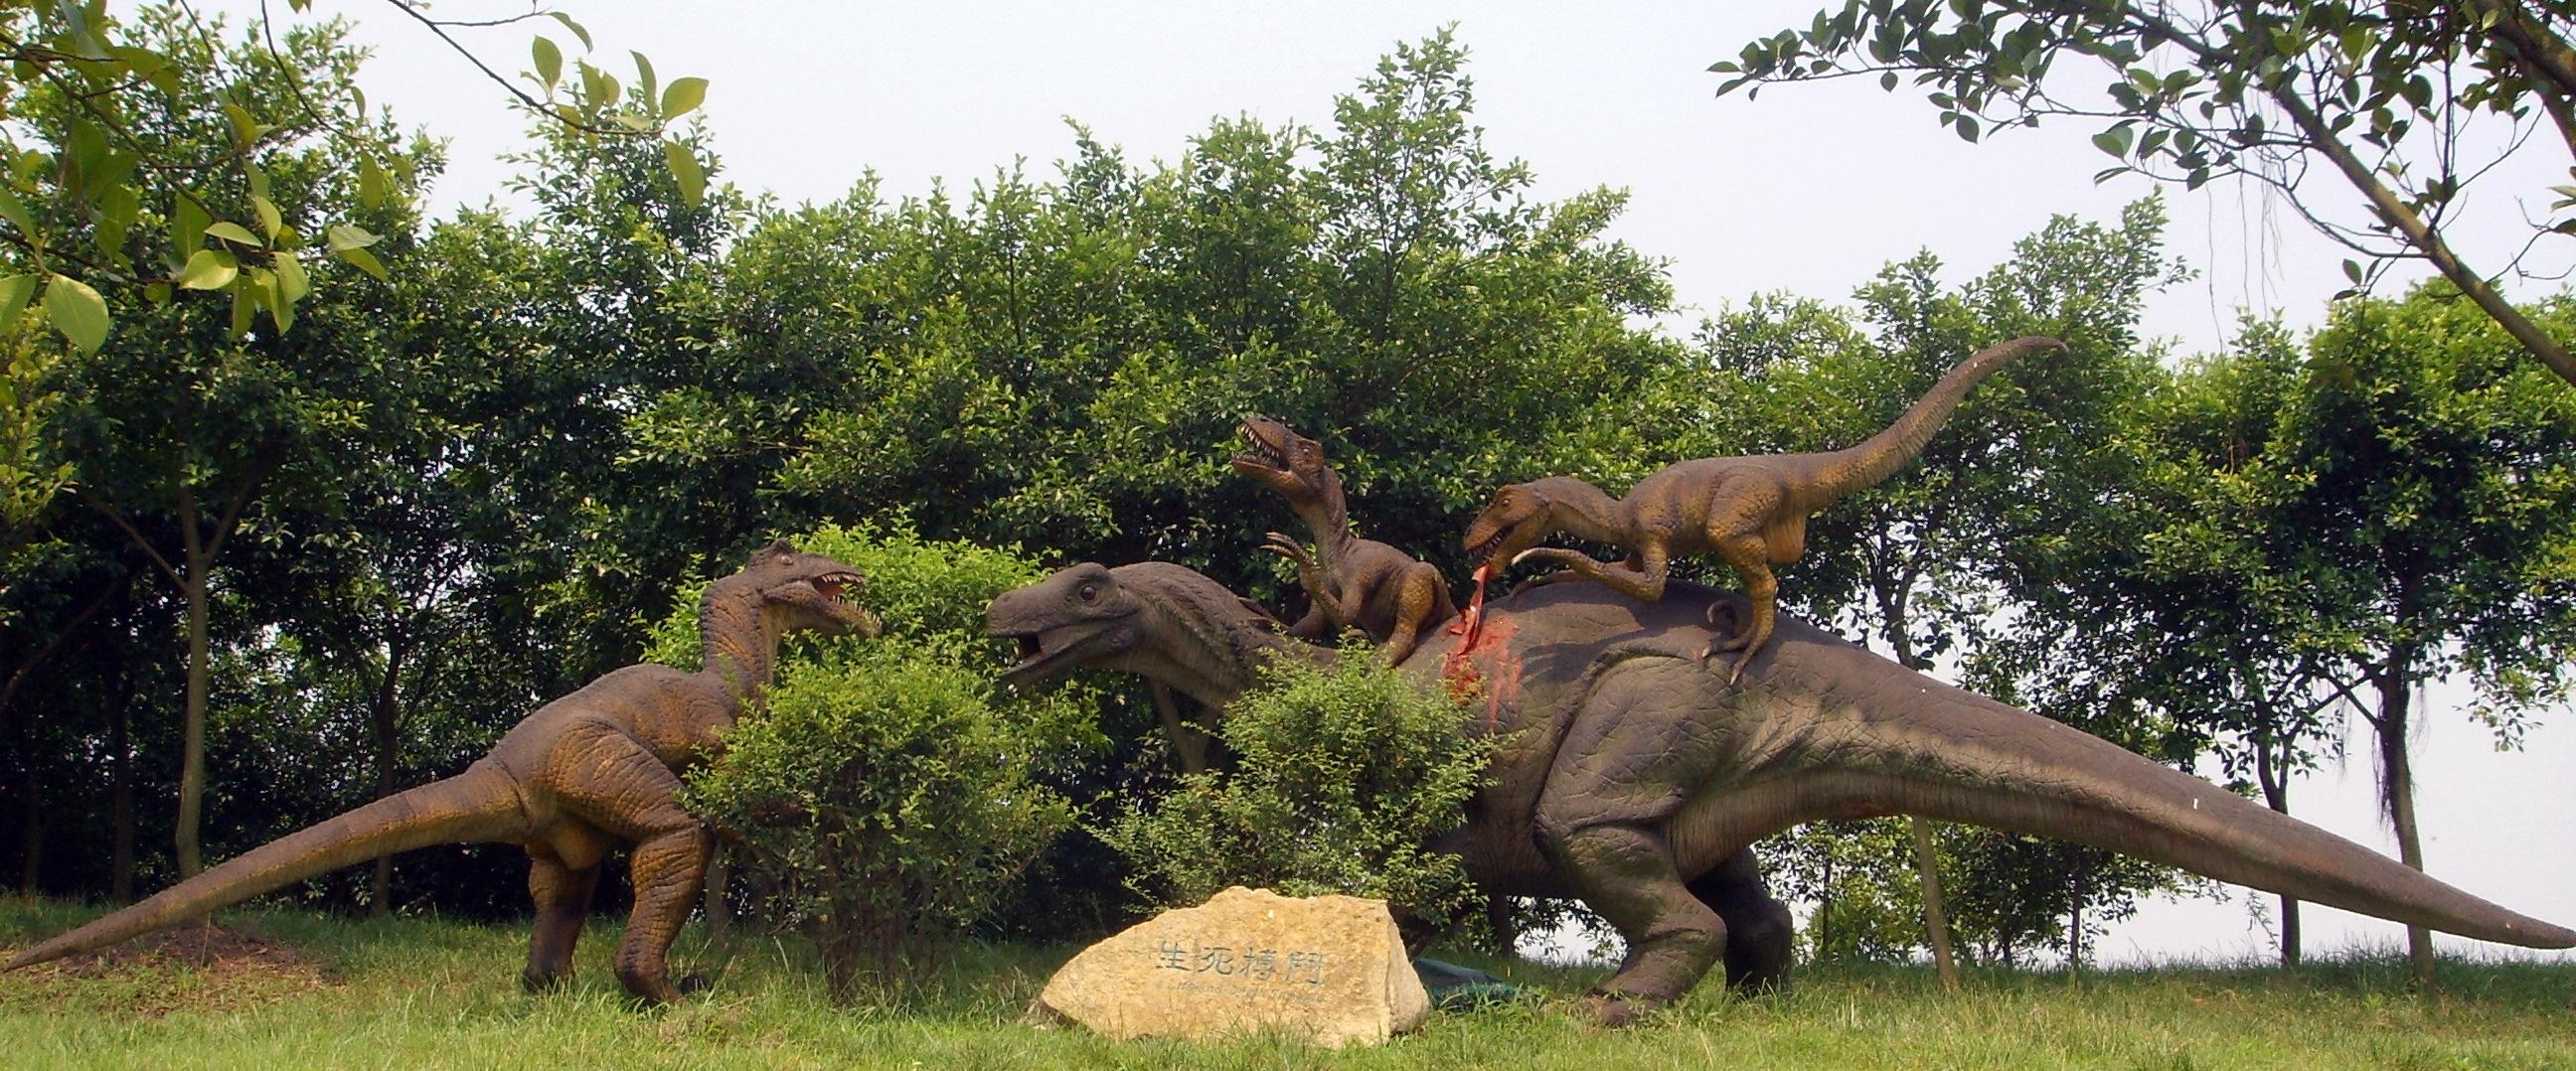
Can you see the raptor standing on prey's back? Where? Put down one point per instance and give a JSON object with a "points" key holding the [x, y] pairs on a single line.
{"points": [[1352, 582], [1750, 511], [594, 767]]}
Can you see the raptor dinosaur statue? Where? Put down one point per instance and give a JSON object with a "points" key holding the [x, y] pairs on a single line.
{"points": [[1350, 582], [597, 766], [1750, 511], [1635, 778]]}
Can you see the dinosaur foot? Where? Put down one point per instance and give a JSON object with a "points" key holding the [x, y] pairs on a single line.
{"points": [[1614, 1010], [544, 981]]}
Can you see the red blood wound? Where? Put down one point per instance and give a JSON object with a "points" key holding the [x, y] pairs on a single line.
{"points": [[1462, 677]]}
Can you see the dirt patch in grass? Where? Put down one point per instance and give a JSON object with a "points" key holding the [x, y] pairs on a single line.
{"points": [[201, 968]]}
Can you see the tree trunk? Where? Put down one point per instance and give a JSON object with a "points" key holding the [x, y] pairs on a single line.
{"points": [[1936, 918], [192, 748], [2397, 788], [120, 804], [719, 880], [2275, 780], [2075, 923], [384, 718], [1825, 912]]}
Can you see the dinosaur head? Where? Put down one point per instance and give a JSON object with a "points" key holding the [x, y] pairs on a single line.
{"points": [[1516, 520], [1287, 463], [810, 591], [1074, 618]]}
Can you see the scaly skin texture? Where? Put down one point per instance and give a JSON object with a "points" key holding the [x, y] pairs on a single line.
{"points": [[1749, 511], [1350, 582], [595, 767], [1636, 779]]}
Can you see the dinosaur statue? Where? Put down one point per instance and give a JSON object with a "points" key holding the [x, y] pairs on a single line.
{"points": [[1635, 779], [1750, 511], [597, 766], [1349, 581]]}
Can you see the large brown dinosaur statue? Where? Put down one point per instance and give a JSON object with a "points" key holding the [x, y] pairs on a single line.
{"points": [[1350, 582], [594, 767], [1635, 778], [1750, 511]]}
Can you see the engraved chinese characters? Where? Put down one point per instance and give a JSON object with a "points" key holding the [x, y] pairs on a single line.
{"points": [[1330, 968]]}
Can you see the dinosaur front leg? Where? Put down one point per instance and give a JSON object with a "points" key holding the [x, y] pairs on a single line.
{"points": [[563, 895], [1760, 936], [1324, 614], [613, 783], [1635, 751], [1189, 743]]}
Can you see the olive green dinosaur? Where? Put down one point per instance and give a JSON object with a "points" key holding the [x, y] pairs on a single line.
{"points": [[1750, 511], [1350, 582], [1633, 777], [597, 766]]}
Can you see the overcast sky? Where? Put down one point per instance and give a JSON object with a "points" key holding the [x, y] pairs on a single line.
{"points": [[1808, 189]]}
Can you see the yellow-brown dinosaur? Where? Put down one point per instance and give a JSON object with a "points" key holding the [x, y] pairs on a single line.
{"points": [[1750, 511], [1350, 582], [598, 766]]}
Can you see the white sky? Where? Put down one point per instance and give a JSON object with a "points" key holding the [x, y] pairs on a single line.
{"points": [[1808, 189]]}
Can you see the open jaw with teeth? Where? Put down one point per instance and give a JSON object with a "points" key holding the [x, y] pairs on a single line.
{"points": [[1262, 455], [1039, 651]]}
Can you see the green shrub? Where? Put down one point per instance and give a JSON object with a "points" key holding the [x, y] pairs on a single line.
{"points": [[1341, 775], [888, 794]]}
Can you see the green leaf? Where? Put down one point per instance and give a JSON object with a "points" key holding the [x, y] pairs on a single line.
{"points": [[1967, 128], [269, 218], [209, 269], [371, 184], [365, 261], [281, 310], [293, 284], [247, 129], [2114, 141], [644, 79], [77, 311], [2352, 271], [684, 168], [232, 232], [15, 211], [549, 62], [347, 236], [575, 27], [187, 225], [14, 292], [683, 97], [245, 306]]}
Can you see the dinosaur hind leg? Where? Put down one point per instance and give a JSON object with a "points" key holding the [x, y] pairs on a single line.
{"points": [[1762, 589], [1759, 931], [616, 785], [1417, 598], [563, 895]]}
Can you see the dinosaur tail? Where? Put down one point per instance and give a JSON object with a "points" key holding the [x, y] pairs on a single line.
{"points": [[1955, 756], [481, 804], [1880, 455]]}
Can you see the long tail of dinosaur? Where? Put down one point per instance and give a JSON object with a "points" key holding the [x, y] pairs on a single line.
{"points": [[1960, 757], [479, 805], [1880, 455]]}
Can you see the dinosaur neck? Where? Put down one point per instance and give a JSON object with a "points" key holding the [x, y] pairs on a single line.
{"points": [[1880, 455], [1204, 642], [1328, 519], [1583, 511], [740, 643]]}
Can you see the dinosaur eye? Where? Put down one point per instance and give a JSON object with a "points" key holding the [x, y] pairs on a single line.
{"points": [[1089, 592]]}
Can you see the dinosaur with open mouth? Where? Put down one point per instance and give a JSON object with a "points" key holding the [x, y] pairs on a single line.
{"points": [[598, 766]]}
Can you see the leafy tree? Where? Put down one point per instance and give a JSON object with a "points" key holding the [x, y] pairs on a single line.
{"points": [[2422, 504], [2385, 94], [1344, 775], [101, 194], [890, 787]]}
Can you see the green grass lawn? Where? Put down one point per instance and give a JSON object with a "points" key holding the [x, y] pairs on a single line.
{"points": [[416, 992]]}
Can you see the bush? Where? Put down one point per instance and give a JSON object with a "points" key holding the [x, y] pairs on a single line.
{"points": [[1342, 774], [888, 794]]}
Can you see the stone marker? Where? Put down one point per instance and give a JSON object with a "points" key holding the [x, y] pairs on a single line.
{"points": [[1329, 968]]}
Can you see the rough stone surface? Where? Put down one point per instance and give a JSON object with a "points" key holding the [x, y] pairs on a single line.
{"points": [[1330, 968]]}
